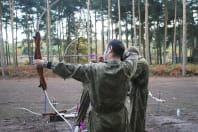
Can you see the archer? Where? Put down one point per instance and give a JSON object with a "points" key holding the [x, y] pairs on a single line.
{"points": [[107, 84]]}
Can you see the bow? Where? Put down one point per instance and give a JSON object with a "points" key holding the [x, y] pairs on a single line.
{"points": [[43, 83], [37, 55]]}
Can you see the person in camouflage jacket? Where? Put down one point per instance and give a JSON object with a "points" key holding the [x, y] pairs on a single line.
{"points": [[138, 94], [107, 85]]}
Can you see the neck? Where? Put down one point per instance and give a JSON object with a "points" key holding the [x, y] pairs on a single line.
{"points": [[112, 57]]}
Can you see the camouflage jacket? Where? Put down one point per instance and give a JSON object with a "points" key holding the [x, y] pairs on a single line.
{"points": [[138, 96], [107, 85]]}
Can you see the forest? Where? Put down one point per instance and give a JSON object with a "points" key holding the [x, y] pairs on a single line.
{"points": [[164, 31]]}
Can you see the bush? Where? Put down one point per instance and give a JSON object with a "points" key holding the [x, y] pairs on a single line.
{"points": [[25, 71], [173, 70]]}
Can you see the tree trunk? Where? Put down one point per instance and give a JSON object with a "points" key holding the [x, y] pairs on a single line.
{"points": [[78, 58], [159, 45], [102, 32], [165, 31], [160, 52], [180, 45], [174, 37], [12, 34], [88, 31], [59, 37], [147, 32], [134, 24], [156, 43], [109, 19], [96, 51], [16, 37], [127, 33], [28, 38], [48, 36], [132, 44], [112, 31], [61, 40], [155, 47], [140, 29], [150, 54], [2, 47], [126, 27], [68, 35], [119, 21], [7, 45], [184, 53]]}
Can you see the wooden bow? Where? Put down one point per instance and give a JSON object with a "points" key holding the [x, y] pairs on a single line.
{"points": [[37, 55]]}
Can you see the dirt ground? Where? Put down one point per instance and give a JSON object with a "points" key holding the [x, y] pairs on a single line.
{"points": [[179, 93]]}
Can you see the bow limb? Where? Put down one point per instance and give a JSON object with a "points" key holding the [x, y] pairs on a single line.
{"points": [[37, 55]]}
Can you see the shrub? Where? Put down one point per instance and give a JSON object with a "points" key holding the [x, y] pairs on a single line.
{"points": [[173, 70]]}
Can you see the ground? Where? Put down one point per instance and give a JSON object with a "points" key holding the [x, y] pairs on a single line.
{"points": [[179, 93]]}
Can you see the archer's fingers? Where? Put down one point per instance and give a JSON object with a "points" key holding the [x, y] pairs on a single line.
{"points": [[38, 61], [35, 61]]}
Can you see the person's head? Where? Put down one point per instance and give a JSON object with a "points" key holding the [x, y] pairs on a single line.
{"points": [[130, 50], [114, 50], [134, 50]]}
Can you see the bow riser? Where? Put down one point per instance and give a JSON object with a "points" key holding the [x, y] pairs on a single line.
{"points": [[37, 55]]}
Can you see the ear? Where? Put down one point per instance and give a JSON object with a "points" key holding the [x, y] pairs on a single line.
{"points": [[110, 49]]}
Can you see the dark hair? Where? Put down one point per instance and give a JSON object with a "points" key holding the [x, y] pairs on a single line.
{"points": [[117, 47]]}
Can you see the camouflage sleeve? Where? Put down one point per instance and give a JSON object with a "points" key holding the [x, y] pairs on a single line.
{"points": [[76, 71], [142, 66], [130, 63], [138, 70]]}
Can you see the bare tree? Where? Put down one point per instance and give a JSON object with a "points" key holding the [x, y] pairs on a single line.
{"points": [[147, 32], [109, 19], [12, 33], [184, 53], [16, 38], [2, 47], [140, 29], [88, 29], [174, 37], [102, 21], [134, 24], [7, 46], [96, 47], [119, 20], [165, 31], [48, 39]]}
